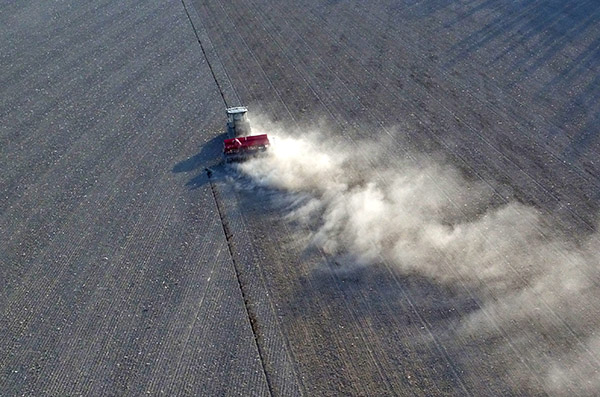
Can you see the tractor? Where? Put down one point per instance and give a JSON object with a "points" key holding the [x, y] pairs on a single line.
{"points": [[241, 144]]}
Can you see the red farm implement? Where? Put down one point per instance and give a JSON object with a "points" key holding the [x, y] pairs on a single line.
{"points": [[238, 149]]}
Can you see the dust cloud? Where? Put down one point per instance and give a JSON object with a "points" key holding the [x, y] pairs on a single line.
{"points": [[421, 216]]}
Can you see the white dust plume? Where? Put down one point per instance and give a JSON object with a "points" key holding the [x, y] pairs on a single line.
{"points": [[419, 215]]}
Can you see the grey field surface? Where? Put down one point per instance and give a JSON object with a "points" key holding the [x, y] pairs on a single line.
{"points": [[426, 222]]}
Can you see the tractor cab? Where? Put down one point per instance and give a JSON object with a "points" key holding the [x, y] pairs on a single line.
{"points": [[237, 122]]}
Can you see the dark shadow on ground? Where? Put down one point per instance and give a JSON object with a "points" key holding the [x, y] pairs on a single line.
{"points": [[209, 156], [208, 152]]}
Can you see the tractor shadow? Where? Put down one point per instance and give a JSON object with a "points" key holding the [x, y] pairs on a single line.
{"points": [[209, 156]]}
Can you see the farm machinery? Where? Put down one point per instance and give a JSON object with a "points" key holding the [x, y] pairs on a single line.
{"points": [[241, 144]]}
